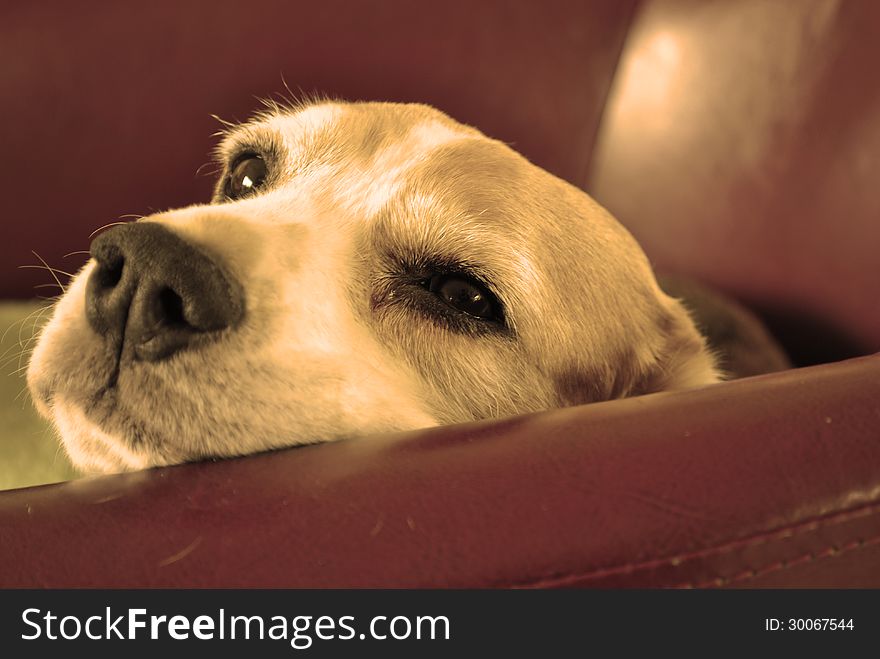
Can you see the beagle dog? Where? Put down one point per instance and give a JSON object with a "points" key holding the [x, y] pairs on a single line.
{"points": [[362, 267]]}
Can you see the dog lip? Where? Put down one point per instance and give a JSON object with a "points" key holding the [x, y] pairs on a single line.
{"points": [[103, 411], [114, 374], [103, 397]]}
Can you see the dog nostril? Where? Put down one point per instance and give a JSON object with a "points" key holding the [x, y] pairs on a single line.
{"points": [[171, 308], [154, 292], [110, 271]]}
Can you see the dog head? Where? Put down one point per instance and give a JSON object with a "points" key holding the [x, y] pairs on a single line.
{"points": [[362, 268]]}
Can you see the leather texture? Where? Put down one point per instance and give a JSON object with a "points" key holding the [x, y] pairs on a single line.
{"points": [[739, 143], [768, 481], [741, 146]]}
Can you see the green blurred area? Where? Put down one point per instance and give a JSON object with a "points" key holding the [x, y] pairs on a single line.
{"points": [[29, 451]]}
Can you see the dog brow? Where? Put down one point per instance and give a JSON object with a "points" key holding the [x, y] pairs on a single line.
{"points": [[248, 137]]}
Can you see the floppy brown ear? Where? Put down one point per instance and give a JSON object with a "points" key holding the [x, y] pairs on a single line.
{"points": [[670, 355], [683, 357], [741, 342]]}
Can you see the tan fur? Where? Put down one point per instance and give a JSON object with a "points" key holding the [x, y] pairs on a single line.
{"points": [[330, 345]]}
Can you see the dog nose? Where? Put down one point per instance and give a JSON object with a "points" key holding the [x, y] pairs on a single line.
{"points": [[156, 292]]}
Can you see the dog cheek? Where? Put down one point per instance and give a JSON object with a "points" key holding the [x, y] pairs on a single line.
{"points": [[388, 404], [64, 347]]}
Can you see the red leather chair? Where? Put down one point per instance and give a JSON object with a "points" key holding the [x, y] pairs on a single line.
{"points": [[740, 142]]}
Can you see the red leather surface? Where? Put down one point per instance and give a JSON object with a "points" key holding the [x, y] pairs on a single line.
{"points": [[741, 145], [771, 481], [106, 105]]}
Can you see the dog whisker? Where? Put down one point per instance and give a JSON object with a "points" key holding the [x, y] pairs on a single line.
{"points": [[36, 313], [112, 224], [24, 346], [12, 358], [20, 369], [223, 122], [47, 268], [53, 271], [24, 398], [213, 172], [291, 98]]}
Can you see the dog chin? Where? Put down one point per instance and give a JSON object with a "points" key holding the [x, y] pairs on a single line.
{"points": [[91, 449]]}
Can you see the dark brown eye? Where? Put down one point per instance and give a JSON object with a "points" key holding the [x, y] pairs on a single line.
{"points": [[466, 295], [246, 175]]}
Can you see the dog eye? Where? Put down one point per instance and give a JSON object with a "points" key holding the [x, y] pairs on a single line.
{"points": [[247, 174], [465, 295]]}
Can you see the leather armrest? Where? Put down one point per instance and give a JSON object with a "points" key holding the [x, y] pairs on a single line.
{"points": [[768, 481]]}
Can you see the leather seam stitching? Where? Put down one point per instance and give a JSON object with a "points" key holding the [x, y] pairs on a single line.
{"points": [[679, 560], [777, 566]]}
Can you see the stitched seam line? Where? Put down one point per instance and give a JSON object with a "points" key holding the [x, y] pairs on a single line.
{"points": [[678, 560], [810, 557]]}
